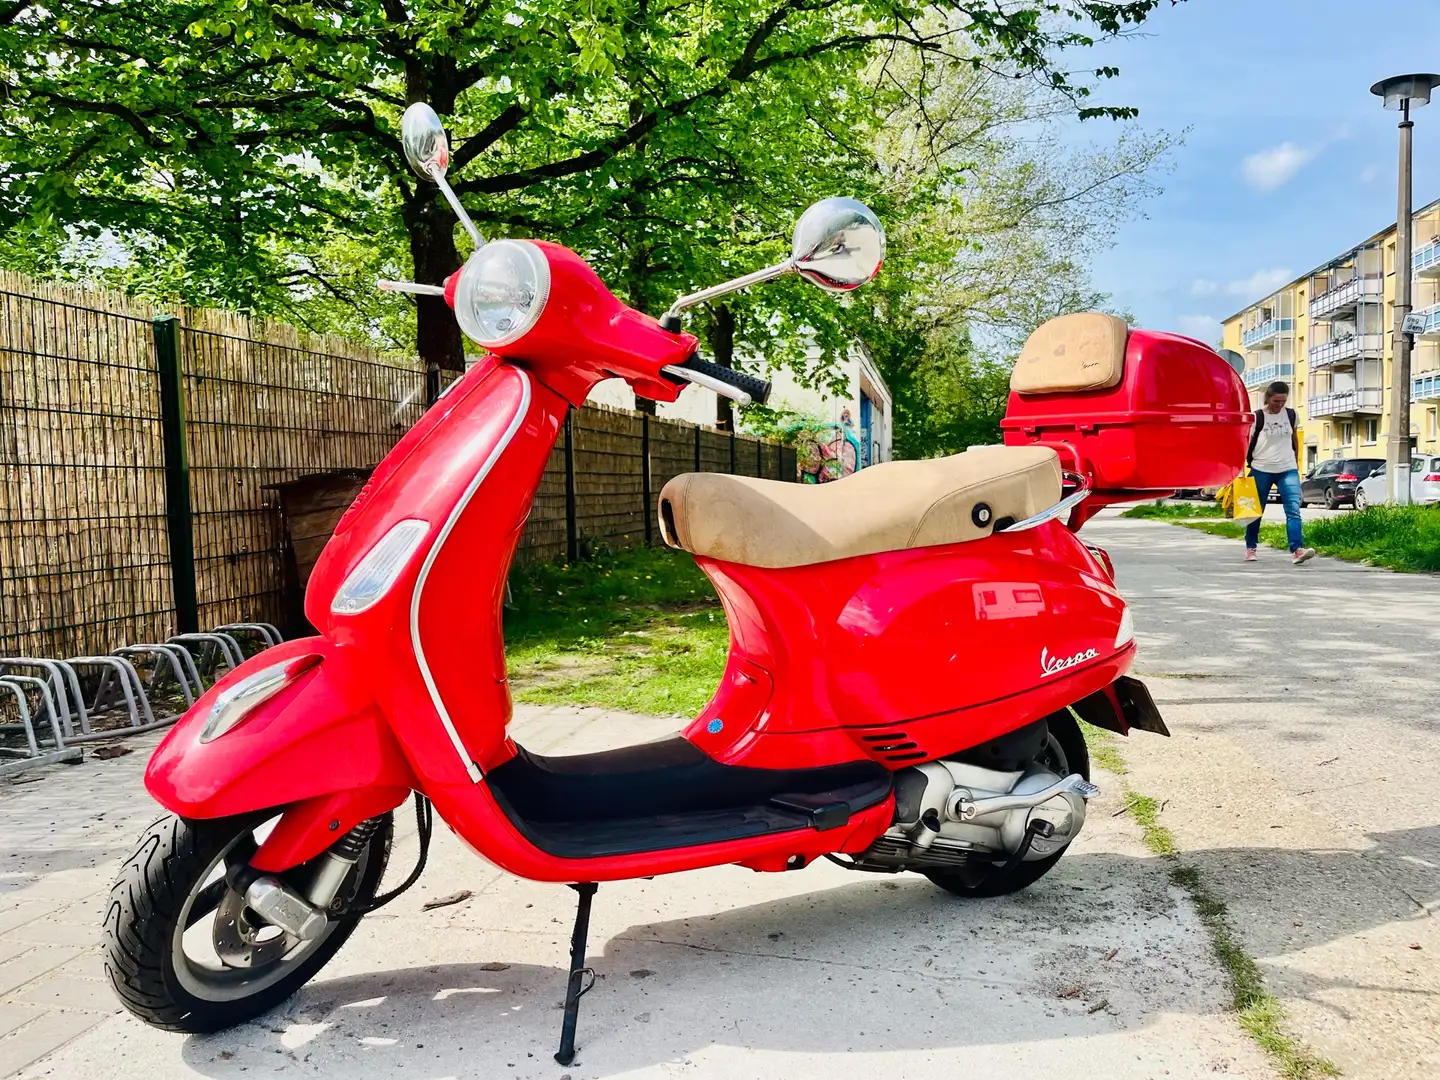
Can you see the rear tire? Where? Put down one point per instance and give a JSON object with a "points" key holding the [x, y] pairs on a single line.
{"points": [[172, 876], [1065, 754], [1331, 502]]}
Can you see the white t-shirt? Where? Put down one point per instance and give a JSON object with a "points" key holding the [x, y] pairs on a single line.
{"points": [[1275, 449]]}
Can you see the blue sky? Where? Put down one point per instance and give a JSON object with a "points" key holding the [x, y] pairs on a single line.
{"points": [[1289, 160]]}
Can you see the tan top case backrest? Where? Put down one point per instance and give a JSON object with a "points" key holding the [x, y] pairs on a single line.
{"points": [[1072, 353]]}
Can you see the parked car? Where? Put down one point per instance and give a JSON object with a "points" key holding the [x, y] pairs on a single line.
{"points": [[1424, 483], [1333, 482]]}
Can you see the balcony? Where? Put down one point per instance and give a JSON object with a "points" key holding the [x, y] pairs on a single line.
{"points": [[1425, 386], [1346, 402], [1342, 300], [1264, 376], [1343, 352], [1262, 336], [1426, 260], [1432, 321]]}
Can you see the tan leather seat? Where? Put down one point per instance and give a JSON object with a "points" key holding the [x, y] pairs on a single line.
{"points": [[1072, 353], [888, 507]]}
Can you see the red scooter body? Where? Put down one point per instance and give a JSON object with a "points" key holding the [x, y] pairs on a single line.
{"points": [[897, 658]]}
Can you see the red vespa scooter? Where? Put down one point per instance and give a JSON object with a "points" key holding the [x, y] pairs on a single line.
{"points": [[909, 646]]}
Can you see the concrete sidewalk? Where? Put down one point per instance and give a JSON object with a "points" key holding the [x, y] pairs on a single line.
{"points": [[826, 974], [1302, 776]]}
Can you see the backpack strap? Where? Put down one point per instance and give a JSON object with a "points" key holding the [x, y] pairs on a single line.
{"points": [[1255, 435]]}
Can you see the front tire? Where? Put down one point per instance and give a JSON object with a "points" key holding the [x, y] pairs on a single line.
{"points": [[1064, 753], [159, 918], [1361, 502]]}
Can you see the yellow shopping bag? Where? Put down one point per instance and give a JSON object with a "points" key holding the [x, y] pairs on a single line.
{"points": [[1243, 505]]}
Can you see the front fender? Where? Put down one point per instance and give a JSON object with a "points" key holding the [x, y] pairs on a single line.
{"points": [[322, 734]]}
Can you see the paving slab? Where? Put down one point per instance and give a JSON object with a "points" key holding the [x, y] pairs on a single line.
{"points": [[1301, 778], [827, 974]]}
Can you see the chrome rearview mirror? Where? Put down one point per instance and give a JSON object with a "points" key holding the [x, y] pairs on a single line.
{"points": [[423, 138], [838, 244]]}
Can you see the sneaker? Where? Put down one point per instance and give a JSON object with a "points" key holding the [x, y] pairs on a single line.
{"points": [[1251, 556], [1302, 555]]}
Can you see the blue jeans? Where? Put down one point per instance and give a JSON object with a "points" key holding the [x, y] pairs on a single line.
{"points": [[1289, 485]]}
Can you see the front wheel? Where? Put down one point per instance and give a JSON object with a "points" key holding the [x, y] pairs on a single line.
{"points": [[183, 951], [1064, 753], [1361, 502]]}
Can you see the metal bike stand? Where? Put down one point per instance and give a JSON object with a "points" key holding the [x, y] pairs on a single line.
{"points": [[46, 698], [574, 990], [131, 688], [263, 630], [213, 648], [36, 756], [60, 673], [169, 653]]}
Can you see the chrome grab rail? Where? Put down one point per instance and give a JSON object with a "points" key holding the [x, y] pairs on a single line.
{"points": [[1064, 506]]}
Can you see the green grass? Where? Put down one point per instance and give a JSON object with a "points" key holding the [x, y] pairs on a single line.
{"points": [[1259, 1012], [1404, 538], [639, 630], [1174, 511]]}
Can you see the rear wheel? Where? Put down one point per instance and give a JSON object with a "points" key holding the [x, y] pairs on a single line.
{"points": [[1064, 753], [183, 951], [1331, 502]]}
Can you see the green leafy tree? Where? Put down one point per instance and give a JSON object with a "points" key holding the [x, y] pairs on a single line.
{"points": [[231, 150]]}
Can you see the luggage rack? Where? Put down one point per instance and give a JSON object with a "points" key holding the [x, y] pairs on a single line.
{"points": [[50, 707]]}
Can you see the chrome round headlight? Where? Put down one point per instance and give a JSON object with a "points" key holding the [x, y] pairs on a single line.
{"points": [[501, 292]]}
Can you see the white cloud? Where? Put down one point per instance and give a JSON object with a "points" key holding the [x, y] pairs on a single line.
{"points": [[1205, 327], [1371, 173], [1269, 169], [1260, 283], [1204, 287]]}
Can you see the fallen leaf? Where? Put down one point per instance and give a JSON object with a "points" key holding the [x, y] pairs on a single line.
{"points": [[105, 753], [446, 901]]}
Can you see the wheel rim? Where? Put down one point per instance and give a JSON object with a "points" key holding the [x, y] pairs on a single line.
{"points": [[221, 951]]}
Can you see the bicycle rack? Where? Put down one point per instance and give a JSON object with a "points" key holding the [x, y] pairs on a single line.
{"points": [[60, 673], [43, 687], [36, 756], [263, 630], [213, 648], [131, 688], [173, 654]]}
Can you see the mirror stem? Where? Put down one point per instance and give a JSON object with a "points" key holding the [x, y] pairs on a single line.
{"points": [[454, 201], [726, 287], [385, 285]]}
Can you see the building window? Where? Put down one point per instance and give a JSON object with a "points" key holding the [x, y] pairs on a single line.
{"points": [[1372, 432], [1347, 433], [1432, 424]]}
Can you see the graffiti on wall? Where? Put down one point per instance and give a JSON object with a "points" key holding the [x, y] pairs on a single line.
{"points": [[825, 452]]}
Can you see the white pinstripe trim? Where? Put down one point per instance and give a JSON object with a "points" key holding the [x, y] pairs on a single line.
{"points": [[471, 769]]}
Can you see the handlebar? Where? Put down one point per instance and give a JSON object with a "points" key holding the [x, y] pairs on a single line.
{"points": [[727, 382]]}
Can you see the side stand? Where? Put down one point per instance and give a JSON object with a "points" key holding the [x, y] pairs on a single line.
{"points": [[577, 986]]}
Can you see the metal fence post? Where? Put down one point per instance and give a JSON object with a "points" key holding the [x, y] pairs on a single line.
{"points": [[179, 519], [645, 479], [572, 540]]}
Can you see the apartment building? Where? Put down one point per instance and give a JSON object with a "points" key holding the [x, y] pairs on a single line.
{"points": [[1328, 334]]}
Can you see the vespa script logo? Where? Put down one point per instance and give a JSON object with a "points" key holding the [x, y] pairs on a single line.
{"points": [[1053, 665]]}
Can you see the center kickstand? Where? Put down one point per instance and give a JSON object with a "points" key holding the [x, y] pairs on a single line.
{"points": [[574, 990]]}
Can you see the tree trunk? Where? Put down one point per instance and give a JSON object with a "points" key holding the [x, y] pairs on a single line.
{"points": [[432, 247], [722, 349]]}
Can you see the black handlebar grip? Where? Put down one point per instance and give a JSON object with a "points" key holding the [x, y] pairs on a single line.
{"points": [[757, 388]]}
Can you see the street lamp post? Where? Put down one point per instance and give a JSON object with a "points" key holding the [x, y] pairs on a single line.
{"points": [[1402, 92]]}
